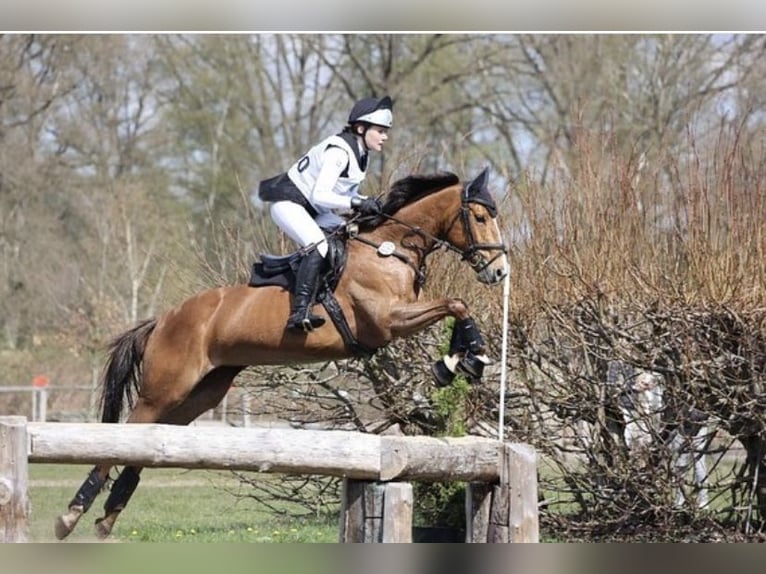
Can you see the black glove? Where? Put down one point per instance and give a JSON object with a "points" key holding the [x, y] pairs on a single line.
{"points": [[366, 205]]}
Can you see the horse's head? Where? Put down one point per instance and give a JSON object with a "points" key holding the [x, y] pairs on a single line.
{"points": [[445, 213], [477, 235]]}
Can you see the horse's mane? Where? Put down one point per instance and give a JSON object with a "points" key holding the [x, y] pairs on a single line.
{"points": [[408, 190], [413, 187]]}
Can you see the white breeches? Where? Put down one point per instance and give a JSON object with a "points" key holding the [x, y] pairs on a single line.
{"points": [[301, 227]]}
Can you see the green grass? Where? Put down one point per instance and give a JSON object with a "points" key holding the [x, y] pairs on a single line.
{"points": [[170, 505]]}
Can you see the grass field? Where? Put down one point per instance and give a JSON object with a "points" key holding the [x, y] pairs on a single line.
{"points": [[170, 505]]}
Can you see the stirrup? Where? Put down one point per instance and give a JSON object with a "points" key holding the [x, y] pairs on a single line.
{"points": [[308, 323]]}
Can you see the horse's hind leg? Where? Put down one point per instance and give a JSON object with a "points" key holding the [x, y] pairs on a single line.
{"points": [[122, 489], [206, 395], [96, 480], [82, 501]]}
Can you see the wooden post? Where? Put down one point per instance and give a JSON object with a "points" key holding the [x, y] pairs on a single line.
{"points": [[40, 398], [478, 498], [497, 531], [376, 512], [362, 509], [514, 513], [14, 480], [41, 410], [524, 519], [397, 512], [349, 498]]}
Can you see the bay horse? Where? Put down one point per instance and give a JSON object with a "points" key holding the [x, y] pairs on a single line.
{"points": [[183, 362]]}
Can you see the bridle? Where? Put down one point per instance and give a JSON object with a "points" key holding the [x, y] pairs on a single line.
{"points": [[471, 254]]}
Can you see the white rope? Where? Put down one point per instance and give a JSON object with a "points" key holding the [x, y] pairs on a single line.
{"points": [[504, 355]]}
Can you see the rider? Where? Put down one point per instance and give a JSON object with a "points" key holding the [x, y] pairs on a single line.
{"points": [[304, 200]]}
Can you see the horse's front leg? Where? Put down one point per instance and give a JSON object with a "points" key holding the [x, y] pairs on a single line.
{"points": [[408, 319], [466, 351]]}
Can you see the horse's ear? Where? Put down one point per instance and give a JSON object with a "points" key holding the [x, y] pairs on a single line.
{"points": [[478, 192], [478, 184]]}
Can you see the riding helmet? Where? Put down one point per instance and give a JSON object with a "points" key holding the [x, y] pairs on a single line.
{"points": [[376, 111]]}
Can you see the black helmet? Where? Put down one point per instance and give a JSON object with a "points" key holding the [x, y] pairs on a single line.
{"points": [[375, 111]]}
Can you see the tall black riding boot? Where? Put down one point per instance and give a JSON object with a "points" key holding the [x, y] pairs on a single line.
{"points": [[305, 285]]}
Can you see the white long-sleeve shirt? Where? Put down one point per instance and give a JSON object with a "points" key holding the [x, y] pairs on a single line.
{"points": [[329, 174]]}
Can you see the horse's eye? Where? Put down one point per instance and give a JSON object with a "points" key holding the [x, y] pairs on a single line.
{"points": [[481, 219]]}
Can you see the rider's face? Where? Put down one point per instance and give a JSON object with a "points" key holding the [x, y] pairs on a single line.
{"points": [[375, 137]]}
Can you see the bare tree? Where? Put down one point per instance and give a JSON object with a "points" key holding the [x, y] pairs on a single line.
{"points": [[32, 85]]}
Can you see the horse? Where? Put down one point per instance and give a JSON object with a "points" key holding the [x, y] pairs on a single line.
{"points": [[182, 363]]}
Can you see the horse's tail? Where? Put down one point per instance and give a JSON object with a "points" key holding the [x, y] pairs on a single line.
{"points": [[122, 372]]}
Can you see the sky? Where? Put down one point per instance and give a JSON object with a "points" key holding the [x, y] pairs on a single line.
{"points": [[389, 16]]}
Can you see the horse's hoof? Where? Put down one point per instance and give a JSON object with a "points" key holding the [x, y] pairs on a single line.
{"points": [[443, 377], [64, 524], [104, 527], [61, 529], [472, 366]]}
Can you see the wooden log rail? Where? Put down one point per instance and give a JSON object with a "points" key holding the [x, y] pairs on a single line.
{"points": [[361, 459], [290, 451]]}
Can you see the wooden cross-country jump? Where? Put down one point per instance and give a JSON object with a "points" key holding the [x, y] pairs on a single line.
{"points": [[501, 502]]}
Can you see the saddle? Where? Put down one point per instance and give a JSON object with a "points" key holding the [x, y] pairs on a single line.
{"points": [[280, 271]]}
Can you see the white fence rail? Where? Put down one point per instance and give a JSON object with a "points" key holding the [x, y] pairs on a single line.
{"points": [[233, 410], [41, 397]]}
